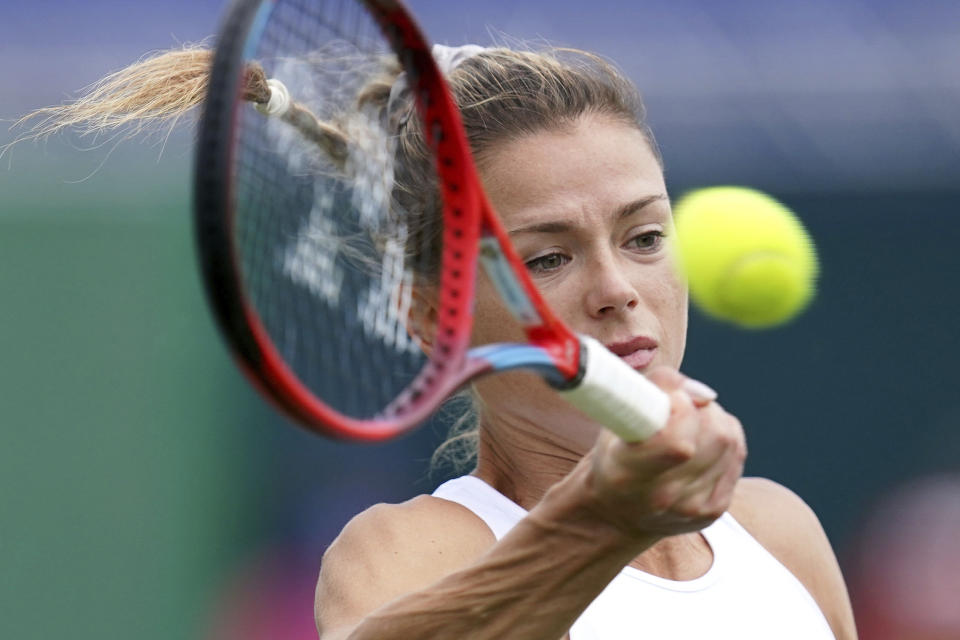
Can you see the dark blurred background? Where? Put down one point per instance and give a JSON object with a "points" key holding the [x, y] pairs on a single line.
{"points": [[146, 492]]}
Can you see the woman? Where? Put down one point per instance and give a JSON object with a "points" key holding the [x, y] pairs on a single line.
{"points": [[563, 530], [557, 507]]}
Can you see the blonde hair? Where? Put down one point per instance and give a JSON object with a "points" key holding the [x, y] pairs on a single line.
{"points": [[157, 89], [503, 94]]}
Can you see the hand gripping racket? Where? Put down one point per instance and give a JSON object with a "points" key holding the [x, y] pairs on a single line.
{"points": [[312, 248]]}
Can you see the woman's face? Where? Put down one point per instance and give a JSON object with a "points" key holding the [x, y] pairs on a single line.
{"points": [[586, 209]]}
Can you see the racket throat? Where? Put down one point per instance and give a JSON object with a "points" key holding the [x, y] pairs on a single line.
{"points": [[509, 288], [541, 328]]}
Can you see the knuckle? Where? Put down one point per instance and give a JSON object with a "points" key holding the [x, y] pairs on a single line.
{"points": [[721, 502], [609, 477], [733, 440], [727, 429], [688, 511], [682, 408], [706, 509], [662, 499], [696, 511], [712, 512], [682, 402], [680, 451], [738, 440], [741, 452], [619, 480]]}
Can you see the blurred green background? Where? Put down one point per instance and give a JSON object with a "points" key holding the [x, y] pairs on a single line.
{"points": [[146, 492], [120, 469]]}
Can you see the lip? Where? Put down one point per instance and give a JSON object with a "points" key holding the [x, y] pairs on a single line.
{"points": [[637, 352]]}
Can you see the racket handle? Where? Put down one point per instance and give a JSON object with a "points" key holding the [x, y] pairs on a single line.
{"points": [[616, 396]]}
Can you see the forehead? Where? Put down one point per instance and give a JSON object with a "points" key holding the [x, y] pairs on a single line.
{"points": [[593, 166]]}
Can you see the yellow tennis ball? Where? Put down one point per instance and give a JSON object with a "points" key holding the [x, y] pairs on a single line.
{"points": [[747, 258]]}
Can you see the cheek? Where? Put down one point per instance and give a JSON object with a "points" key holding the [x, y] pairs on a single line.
{"points": [[492, 322], [671, 307], [663, 299]]}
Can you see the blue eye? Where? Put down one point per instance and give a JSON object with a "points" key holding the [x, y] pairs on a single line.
{"points": [[547, 263]]}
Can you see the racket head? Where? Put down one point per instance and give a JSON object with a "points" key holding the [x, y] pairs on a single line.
{"points": [[314, 259], [310, 294]]}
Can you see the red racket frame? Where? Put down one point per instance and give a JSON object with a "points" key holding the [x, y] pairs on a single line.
{"points": [[467, 216]]}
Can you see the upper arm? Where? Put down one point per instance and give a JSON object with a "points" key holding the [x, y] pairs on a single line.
{"points": [[789, 529], [389, 551]]}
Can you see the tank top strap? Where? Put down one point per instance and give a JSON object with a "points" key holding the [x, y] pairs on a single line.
{"points": [[499, 512]]}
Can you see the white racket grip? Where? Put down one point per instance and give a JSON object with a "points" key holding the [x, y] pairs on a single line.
{"points": [[616, 396]]}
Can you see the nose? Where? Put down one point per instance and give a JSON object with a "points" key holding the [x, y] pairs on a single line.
{"points": [[609, 289]]}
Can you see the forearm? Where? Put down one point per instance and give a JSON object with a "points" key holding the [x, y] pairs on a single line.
{"points": [[533, 584]]}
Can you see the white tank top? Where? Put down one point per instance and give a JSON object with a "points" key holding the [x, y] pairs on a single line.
{"points": [[747, 594]]}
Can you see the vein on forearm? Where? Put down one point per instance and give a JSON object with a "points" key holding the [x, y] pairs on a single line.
{"points": [[533, 584]]}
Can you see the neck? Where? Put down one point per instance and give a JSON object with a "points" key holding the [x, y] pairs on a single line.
{"points": [[521, 460]]}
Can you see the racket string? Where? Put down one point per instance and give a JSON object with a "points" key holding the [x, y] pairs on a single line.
{"points": [[326, 254]]}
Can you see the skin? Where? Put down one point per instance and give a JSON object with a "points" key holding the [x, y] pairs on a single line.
{"points": [[431, 568], [603, 266]]}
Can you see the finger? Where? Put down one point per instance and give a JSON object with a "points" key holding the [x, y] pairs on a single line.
{"points": [[726, 483], [666, 378], [716, 485], [670, 380], [708, 494], [719, 444], [701, 394], [670, 447]]}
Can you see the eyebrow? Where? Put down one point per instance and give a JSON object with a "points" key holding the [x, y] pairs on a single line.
{"points": [[560, 226]]}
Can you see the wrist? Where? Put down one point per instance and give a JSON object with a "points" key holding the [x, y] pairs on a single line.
{"points": [[573, 507]]}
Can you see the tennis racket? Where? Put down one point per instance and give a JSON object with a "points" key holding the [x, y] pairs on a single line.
{"points": [[312, 255]]}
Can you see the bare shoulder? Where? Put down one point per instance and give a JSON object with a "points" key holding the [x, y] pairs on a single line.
{"points": [[789, 529], [390, 550], [777, 517]]}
